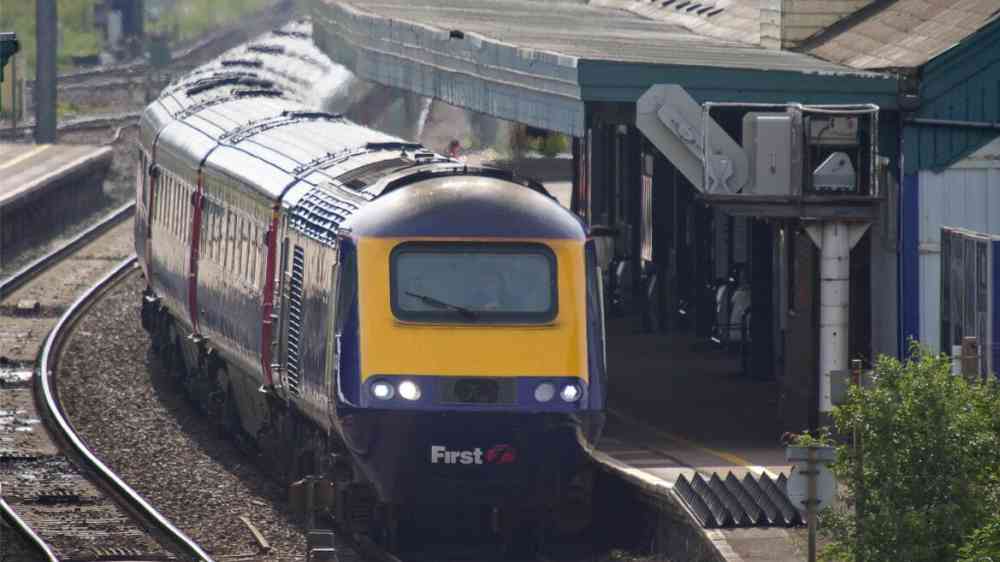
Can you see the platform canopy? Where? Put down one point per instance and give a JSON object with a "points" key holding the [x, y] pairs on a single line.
{"points": [[540, 62]]}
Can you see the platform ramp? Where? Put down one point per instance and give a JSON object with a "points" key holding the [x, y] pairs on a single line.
{"points": [[751, 501]]}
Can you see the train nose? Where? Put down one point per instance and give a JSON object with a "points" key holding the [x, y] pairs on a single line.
{"points": [[477, 391]]}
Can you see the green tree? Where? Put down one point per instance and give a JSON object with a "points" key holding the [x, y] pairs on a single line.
{"points": [[554, 145], [984, 543], [931, 453]]}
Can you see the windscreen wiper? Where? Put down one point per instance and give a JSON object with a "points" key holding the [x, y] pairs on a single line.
{"points": [[431, 301]]}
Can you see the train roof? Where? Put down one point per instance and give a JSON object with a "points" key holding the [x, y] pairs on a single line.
{"points": [[247, 116], [445, 202]]}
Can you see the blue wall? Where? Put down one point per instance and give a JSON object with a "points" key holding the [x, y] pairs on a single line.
{"points": [[961, 84], [909, 262]]}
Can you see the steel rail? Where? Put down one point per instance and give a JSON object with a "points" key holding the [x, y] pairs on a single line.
{"points": [[50, 404], [76, 125], [19, 525], [23, 275]]}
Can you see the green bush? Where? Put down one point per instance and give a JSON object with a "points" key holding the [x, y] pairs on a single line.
{"points": [[79, 36], [984, 543], [192, 18], [554, 145], [931, 453]]}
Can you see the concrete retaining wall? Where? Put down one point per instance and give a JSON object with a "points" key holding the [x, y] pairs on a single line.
{"points": [[636, 510], [41, 211]]}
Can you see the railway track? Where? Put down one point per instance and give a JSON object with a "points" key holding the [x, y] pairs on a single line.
{"points": [[59, 498]]}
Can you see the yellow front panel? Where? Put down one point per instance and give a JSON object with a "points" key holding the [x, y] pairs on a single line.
{"points": [[392, 347]]}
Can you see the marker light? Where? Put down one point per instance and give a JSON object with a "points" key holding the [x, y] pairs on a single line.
{"points": [[570, 393], [545, 392], [382, 390], [409, 390]]}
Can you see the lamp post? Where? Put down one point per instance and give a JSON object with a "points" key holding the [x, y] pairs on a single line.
{"points": [[46, 40]]}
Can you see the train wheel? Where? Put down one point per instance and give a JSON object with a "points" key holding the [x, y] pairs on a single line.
{"points": [[146, 314], [173, 354], [232, 424], [158, 324]]}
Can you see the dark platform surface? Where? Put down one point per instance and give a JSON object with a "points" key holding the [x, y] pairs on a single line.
{"points": [[45, 187], [677, 408]]}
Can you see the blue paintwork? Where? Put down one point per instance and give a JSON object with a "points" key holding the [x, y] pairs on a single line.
{"points": [[430, 396], [349, 380], [995, 299], [909, 262], [393, 449]]}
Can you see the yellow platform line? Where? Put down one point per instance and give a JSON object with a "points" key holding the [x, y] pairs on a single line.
{"points": [[726, 456], [37, 150]]}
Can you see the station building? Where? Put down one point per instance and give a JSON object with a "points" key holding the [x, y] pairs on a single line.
{"points": [[582, 69]]}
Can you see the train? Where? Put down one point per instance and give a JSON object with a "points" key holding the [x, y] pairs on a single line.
{"points": [[364, 311]]}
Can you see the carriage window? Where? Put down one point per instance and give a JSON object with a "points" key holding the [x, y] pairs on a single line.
{"points": [[473, 283], [159, 199], [237, 266], [246, 233], [155, 205], [228, 248], [252, 278], [174, 207], [203, 233], [188, 213], [208, 234], [170, 210], [181, 208], [219, 231], [142, 179]]}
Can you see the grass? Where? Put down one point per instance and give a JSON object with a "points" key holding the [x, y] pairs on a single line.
{"points": [[188, 19], [181, 19]]}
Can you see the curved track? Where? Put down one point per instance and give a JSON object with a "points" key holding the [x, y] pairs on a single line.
{"points": [[48, 397], [60, 509]]}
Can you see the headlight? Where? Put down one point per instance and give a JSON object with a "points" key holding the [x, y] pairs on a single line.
{"points": [[545, 392], [382, 390], [409, 390], [570, 393]]}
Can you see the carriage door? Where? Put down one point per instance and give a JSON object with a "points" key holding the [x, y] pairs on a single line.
{"points": [[143, 210], [332, 341]]}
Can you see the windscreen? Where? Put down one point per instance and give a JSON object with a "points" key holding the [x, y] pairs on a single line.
{"points": [[450, 282]]}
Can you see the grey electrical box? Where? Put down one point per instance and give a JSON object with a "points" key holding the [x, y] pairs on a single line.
{"points": [[836, 173], [774, 151], [832, 130]]}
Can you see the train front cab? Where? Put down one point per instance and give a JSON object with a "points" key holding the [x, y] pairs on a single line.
{"points": [[471, 369]]}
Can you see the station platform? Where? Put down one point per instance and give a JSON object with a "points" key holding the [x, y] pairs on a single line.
{"points": [[45, 186], [676, 408]]}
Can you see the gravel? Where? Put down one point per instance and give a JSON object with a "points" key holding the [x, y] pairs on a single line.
{"points": [[135, 418]]}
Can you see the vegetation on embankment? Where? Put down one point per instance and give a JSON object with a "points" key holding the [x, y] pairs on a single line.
{"points": [[927, 484], [182, 20]]}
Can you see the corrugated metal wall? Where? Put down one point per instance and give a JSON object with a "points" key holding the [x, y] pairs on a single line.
{"points": [[884, 288], [961, 84], [967, 195]]}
